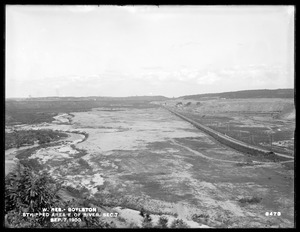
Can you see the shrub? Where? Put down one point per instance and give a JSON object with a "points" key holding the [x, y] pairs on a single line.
{"points": [[84, 164], [32, 164], [147, 221], [142, 212], [26, 191], [200, 218], [179, 223], [162, 222]]}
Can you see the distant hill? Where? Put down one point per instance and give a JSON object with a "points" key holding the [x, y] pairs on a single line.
{"points": [[260, 93], [37, 110], [92, 98]]}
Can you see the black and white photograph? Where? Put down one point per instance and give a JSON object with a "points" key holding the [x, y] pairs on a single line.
{"points": [[149, 116]]}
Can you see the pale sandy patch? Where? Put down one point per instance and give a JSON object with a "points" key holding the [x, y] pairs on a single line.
{"points": [[207, 185], [10, 153], [232, 207], [90, 182], [62, 118], [66, 149], [140, 130], [133, 216], [46, 154]]}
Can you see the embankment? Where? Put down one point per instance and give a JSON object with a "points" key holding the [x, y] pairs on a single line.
{"points": [[235, 144]]}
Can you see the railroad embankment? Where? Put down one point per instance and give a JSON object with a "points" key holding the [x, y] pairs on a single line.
{"points": [[233, 143]]}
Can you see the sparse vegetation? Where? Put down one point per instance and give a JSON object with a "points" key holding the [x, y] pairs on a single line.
{"points": [[32, 163], [245, 164], [162, 222], [80, 152], [120, 191], [27, 191], [142, 212], [84, 164], [28, 137], [200, 218], [178, 223], [147, 220]]}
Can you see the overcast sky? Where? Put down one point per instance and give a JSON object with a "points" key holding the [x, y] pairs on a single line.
{"points": [[147, 50]]}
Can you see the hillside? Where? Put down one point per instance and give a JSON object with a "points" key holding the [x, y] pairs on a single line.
{"points": [[91, 98], [250, 120], [260, 93], [275, 105], [37, 110]]}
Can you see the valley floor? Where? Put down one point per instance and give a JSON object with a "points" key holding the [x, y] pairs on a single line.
{"points": [[150, 158]]}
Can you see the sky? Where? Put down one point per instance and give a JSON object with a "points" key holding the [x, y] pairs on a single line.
{"points": [[119, 51]]}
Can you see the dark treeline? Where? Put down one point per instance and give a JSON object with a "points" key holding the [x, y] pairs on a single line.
{"points": [[28, 137], [260, 93], [38, 111]]}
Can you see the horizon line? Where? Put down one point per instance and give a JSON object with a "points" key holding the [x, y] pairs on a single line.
{"points": [[144, 95]]}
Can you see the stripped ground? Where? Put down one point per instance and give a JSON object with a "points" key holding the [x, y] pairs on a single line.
{"points": [[152, 159], [266, 123]]}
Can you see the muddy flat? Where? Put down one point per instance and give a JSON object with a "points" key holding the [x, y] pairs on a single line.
{"points": [[150, 158]]}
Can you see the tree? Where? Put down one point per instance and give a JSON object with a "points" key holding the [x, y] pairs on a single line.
{"points": [[28, 192]]}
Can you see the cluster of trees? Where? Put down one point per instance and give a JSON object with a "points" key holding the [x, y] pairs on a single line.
{"points": [[21, 116], [28, 137], [27, 191]]}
